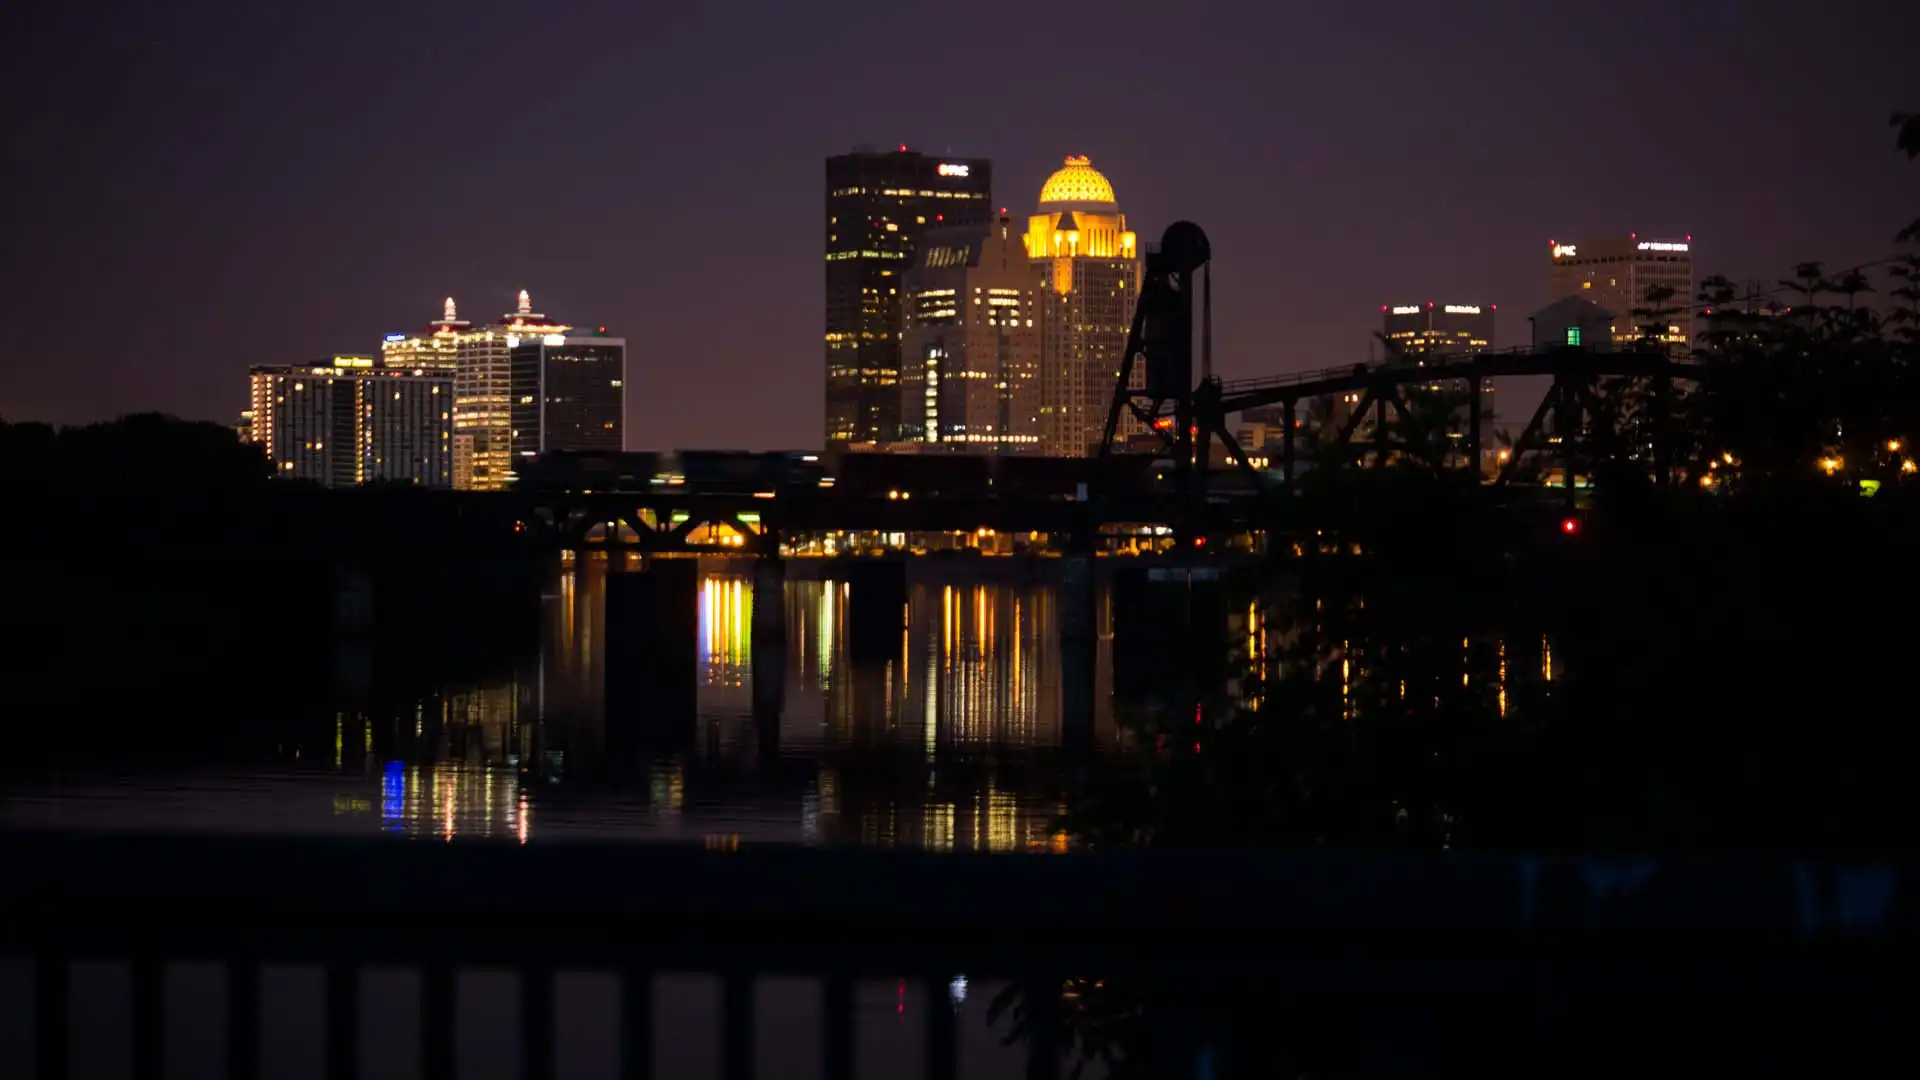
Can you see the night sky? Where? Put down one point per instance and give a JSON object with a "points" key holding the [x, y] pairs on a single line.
{"points": [[193, 187]]}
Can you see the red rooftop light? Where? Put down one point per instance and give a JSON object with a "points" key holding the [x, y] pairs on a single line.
{"points": [[1569, 526]]}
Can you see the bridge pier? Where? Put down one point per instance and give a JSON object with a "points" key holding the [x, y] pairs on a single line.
{"points": [[1474, 390], [876, 606], [767, 645], [1079, 650], [652, 660], [1169, 635], [353, 633]]}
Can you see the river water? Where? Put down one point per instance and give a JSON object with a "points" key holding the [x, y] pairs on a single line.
{"points": [[948, 742]]}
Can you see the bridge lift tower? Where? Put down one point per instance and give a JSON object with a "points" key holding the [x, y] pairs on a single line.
{"points": [[1157, 383]]}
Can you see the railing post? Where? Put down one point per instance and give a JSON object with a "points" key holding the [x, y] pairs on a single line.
{"points": [[149, 1017], [636, 1024], [1043, 1030], [243, 1019], [736, 1025], [943, 1043], [341, 1027], [838, 1038], [436, 1020], [52, 1000], [536, 1022]]}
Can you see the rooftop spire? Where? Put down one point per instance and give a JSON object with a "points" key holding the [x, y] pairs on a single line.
{"points": [[526, 303], [452, 312]]}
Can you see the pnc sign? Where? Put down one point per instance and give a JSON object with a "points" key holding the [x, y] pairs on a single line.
{"points": [[953, 169], [1407, 309], [1566, 250]]}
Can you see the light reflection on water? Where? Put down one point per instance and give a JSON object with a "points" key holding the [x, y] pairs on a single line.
{"points": [[942, 742]]}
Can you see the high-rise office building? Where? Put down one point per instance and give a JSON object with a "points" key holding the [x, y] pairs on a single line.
{"points": [[1439, 328], [568, 393], [349, 422], [1430, 333], [970, 347], [877, 206], [1088, 266], [1616, 272], [435, 348], [483, 395]]}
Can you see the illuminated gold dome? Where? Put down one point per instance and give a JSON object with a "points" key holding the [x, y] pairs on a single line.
{"points": [[1077, 186]]}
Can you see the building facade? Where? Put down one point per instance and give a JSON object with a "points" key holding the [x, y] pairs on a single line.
{"points": [[1616, 272], [435, 348], [970, 344], [877, 205], [483, 396], [1438, 328], [568, 393], [349, 422], [1088, 271]]}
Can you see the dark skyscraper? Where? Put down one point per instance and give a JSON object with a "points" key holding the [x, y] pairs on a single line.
{"points": [[877, 206], [568, 393]]}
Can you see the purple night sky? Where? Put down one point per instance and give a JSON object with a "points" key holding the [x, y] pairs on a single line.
{"points": [[197, 186]]}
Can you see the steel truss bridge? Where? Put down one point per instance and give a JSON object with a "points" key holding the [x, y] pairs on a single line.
{"points": [[1158, 385]]}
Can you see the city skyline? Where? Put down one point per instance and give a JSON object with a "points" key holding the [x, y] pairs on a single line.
{"points": [[687, 221]]}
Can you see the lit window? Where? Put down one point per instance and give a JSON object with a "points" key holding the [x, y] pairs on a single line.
{"points": [[1573, 335]]}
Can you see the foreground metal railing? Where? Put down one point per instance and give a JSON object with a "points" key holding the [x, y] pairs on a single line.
{"points": [[1309, 922]]}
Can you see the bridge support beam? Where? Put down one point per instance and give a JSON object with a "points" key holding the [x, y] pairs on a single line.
{"points": [[652, 659], [1169, 635], [1288, 458], [1079, 650], [767, 648], [1474, 390], [876, 606], [353, 624]]}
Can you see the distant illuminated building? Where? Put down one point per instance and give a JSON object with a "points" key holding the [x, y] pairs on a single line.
{"points": [[483, 396], [349, 423], [1439, 328], [877, 206], [1434, 333], [568, 392], [244, 429], [1088, 268], [970, 349], [1616, 272], [434, 348]]}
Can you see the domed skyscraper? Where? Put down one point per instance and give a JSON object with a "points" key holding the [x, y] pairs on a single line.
{"points": [[1088, 265]]}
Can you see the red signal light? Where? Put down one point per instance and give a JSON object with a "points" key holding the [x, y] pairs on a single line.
{"points": [[1569, 526]]}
